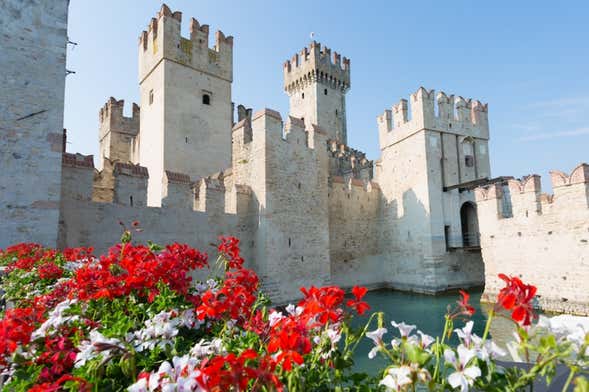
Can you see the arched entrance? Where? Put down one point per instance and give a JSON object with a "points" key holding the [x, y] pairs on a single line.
{"points": [[470, 224]]}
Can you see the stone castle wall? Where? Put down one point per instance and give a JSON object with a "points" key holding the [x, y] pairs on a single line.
{"points": [[354, 225], [33, 54], [543, 239]]}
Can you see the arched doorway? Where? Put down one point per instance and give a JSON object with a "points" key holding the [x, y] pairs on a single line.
{"points": [[470, 224]]}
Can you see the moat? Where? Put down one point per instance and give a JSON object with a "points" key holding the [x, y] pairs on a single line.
{"points": [[425, 311]]}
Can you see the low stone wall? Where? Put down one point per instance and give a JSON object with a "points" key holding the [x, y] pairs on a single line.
{"points": [[543, 239]]}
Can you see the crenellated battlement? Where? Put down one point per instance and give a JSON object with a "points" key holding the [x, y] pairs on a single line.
{"points": [[579, 175], [111, 118], [130, 170], [163, 40], [537, 236], [441, 112], [267, 126], [77, 160], [348, 162], [316, 63], [523, 198], [350, 183]]}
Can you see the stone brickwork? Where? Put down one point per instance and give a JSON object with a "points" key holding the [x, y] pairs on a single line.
{"points": [[118, 135], [543, 239], [33, 51], [308, 208], [354, 226]]}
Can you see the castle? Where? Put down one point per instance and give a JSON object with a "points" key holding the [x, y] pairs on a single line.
{"points": [[308, 208]]}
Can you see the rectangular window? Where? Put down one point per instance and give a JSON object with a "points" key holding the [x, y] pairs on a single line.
{"points": [[469, 161], [447, 237], [150, 97]]}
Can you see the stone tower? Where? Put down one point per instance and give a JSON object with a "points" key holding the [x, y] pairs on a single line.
{"points": [[430, 162], [316, 83], [186, 112], [34, 39], [118, 135]]}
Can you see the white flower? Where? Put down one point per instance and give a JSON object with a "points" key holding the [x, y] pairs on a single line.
{"points": [[161, 330], [425, 340], [397, 378], [179, 376], [403, 328], [55, 319], [376, 337], [464, 375], [488, 350], [294, 311], [567, 328], [98, 344], [275, 317], [204, 348], [465, 334]]}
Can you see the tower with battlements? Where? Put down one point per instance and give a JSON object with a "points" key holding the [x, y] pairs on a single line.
{"points": [[434, 151], [316, 82], [186, 110], [118, 135]]}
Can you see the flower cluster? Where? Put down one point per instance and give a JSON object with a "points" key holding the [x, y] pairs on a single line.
{"points": [[133, 319]]}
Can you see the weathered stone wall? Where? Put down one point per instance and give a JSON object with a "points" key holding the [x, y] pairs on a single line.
{"points": [[543, 239], [286, 169], [354, 226], [77, 176], [33, 47]]}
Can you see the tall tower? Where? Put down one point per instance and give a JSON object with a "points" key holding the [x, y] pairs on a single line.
{"points": [[316, 84], [186, 112]]}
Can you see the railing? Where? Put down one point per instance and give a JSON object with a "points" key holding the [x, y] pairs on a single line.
{"points": [[471, 239]]}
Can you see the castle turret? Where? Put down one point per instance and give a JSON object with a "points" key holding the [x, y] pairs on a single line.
{"points": [[118, 135], [316, 82], [186, 105]]}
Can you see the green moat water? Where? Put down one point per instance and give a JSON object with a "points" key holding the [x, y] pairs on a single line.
{"points": [[425, 311]]}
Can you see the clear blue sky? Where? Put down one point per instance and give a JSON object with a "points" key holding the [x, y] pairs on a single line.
{"points": [[528, 60]]}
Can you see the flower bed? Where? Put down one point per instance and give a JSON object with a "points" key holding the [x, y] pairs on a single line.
{"points": [[133, 319]]}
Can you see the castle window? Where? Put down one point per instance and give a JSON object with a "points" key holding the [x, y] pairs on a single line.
{"points": [[150, 97], [186, 139], [289, 242], [325, 91], [302, 258], [336, 112], [206, 99], [469, 161], [299, 185], [131, 200], [447, 237], [303, 95]]}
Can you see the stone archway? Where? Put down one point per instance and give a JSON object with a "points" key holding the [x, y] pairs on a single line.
{"points": [[470, 224]]}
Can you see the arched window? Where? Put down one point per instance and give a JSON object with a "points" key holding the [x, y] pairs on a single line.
{"points": [[206, 99], [470, 224]]}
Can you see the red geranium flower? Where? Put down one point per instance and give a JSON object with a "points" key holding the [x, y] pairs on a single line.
{"points": [[517, 297], [463, 304], [360, 306]]}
